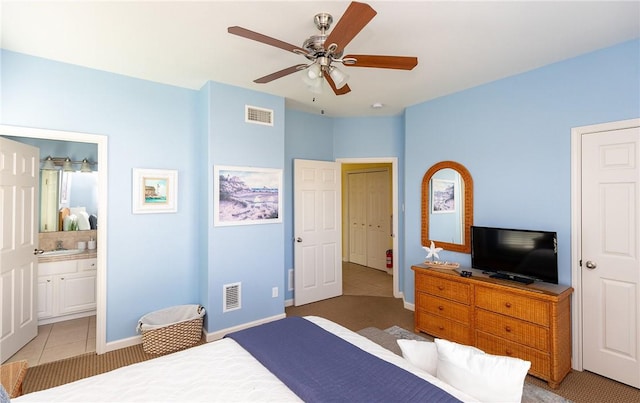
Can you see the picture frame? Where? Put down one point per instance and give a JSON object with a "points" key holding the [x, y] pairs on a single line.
{"points": [[246, 195], [154, 191], [443, 196]]}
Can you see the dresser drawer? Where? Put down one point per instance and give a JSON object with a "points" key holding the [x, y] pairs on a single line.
{"points": [[444, 328], [448, 289], [513, 329], [509, 304], [540, 362], [443, 307]]}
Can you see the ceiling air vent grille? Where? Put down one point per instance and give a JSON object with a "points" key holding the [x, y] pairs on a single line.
{"points": [[231, 297], [259, 116]]}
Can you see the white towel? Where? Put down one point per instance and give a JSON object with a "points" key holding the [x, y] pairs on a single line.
{"points": [[68, 220], [83, 221]]}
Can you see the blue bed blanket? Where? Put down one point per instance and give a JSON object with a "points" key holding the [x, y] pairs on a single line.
{"points": [[319, 366]]}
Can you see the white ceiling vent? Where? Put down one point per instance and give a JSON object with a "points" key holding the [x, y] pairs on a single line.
{"points": [[231, 297], [257, 115]]}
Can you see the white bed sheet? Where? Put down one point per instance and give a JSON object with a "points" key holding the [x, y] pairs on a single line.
{"points": [[219, 371]]}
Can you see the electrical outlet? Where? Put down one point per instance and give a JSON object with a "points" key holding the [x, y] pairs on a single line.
{"points": [[274, 292]]}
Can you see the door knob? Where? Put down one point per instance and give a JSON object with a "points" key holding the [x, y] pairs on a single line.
{"points": [[590, 265], [298, 239]]}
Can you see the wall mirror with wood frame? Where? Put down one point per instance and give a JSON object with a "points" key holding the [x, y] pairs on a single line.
{"points": [[447, 207]]}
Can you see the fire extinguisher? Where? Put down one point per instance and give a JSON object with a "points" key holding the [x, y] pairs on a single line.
{"points": [[389, 259]]}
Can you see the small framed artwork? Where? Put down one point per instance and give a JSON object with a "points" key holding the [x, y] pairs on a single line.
{"points": [[443, 196], [246, 195], [155, 191]]}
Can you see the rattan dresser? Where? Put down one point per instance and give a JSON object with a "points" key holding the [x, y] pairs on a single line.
{"points": [[531, 322]]}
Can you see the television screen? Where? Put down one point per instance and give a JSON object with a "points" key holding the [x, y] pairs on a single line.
{"points": [[515, 254]]}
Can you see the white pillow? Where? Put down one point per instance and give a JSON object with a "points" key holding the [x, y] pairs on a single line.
{"points": [[489, 378], [422, 354]]}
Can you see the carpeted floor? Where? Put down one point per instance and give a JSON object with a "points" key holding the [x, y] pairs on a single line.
{"points": [[353, 312]]}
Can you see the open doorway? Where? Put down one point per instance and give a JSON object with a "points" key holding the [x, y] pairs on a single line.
{"points": [[101, 142], [388, 229]]}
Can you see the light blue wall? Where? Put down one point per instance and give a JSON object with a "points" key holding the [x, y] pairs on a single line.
{"points": [[152, 258], [308, 137], [513, 135], [249, 254]]}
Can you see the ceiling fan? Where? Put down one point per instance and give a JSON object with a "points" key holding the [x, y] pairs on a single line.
{"points": [[322, 57]]}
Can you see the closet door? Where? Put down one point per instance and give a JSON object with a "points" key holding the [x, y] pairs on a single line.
{"points": [[357, 218], [378, 219]]}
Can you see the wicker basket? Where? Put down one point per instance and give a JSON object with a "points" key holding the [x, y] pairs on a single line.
{"points": [[159, 338]]}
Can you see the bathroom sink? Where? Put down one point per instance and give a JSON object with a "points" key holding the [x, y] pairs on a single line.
{"points": [[62, 252]]}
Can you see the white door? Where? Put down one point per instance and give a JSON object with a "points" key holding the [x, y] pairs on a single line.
{"points": [[19, 168], [610, 248], [357, 218], [378, 219], [317, 231]]}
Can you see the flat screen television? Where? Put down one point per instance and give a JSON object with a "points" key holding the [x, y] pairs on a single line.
{"points": [[515, 254]]}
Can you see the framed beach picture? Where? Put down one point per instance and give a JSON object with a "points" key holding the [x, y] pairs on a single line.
{"points": [[246, 195], [155, 191], [443, 196]]}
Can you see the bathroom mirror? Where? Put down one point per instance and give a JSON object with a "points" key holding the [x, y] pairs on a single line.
{"points": [[60, 188], [447, 207]]}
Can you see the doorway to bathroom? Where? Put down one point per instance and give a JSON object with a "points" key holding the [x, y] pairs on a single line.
{"points": [[101, 268]]}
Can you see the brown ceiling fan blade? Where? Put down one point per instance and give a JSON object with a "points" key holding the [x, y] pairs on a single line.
{"points": [[351, 23], [338, 91], [383, 62], [245, 33], [280, 74]]}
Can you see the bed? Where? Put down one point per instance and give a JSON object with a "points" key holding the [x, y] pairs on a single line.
{"points": [[224, 371]]}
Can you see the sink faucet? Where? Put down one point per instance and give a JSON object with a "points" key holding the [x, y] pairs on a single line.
{"points": [[59, 245]]}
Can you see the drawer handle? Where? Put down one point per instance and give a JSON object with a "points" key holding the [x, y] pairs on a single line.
{"points": [[441, 308], [441, 327], [508, 304], [441, 288], [509, 353], [507, 329]]}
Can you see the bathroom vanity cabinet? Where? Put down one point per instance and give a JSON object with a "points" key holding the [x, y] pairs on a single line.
{"points": [[66, 290]]}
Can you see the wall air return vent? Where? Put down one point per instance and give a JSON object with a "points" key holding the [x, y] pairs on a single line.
{"points": [[231, 297], [257, 115]]}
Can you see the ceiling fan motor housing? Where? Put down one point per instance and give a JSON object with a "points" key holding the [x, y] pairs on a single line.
{"points": [[323, 21]]}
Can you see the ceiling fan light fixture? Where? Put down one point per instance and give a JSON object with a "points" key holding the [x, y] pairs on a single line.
{"points": [[314, 85], [339, 78], [314, 71]]}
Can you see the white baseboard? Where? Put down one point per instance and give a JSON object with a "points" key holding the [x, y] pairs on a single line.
{"points": [[123, 343], [409, 306], [218, 334], [288, 302]]}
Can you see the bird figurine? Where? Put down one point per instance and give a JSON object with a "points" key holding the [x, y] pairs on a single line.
{"points": [[432, 252]]}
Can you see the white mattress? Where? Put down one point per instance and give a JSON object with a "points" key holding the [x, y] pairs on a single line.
{"points": [[220, 371]]}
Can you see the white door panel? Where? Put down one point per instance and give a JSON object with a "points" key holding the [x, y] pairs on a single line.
{"points": [[317, 231], [19, 169], [369, 218], [357, 219], [610, 246], [378, 216]]}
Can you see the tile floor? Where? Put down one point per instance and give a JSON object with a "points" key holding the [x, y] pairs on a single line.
{"points": [[66, 339], [60, 340]]}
